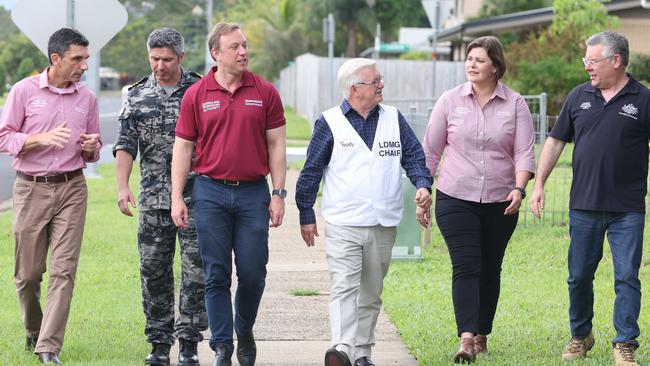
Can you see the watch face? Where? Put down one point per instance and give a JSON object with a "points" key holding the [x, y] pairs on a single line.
{"points": [[280, 192]]}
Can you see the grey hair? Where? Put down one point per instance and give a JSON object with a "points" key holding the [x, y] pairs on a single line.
{"points": [[166, 38], [612, 43], [348, 74]]}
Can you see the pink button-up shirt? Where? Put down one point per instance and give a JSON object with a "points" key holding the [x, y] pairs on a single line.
{"points": [[483, 147], [33, 107]]}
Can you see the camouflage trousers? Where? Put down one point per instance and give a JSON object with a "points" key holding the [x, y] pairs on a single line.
{"points": [[157, 246]]}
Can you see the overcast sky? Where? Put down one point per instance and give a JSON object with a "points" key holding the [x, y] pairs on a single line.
{"points": [[7, 3]]}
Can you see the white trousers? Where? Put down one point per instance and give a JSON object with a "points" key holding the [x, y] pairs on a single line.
{"points": [[357, 258]]}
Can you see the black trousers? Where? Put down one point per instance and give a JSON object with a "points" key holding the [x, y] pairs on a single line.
{"points": [[476, 235]]}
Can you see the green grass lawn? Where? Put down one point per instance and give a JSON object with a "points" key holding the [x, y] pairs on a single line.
{"points": [[297, 127], [531, 325], [106, 320]]}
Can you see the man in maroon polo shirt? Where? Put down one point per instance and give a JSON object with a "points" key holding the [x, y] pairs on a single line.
{"points": [[235, 120]]}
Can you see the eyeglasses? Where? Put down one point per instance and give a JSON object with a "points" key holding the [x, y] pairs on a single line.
{"points": [[376, 82], [593, 62]]}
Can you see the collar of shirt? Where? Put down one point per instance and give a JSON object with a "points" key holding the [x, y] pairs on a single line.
{"points": [[247, 80], [632, 87], [499, 91], [44, 82], [152, 82], [346, 108]]}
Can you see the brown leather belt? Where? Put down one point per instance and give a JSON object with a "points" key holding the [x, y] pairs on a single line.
{"points": [[59, 178], [233, 182]]}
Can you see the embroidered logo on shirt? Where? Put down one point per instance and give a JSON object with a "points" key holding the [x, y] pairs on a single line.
{"points": [[629, 110], [253, 102], [211, 106], [347, 144], [38, 102], [462, 110], [80, 110], [585, 105]]}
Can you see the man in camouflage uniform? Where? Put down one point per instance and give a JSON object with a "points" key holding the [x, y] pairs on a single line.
{"points": [[147, 122]]}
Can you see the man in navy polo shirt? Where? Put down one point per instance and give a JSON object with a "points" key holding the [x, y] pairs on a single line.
{"points": [[236, 121], [608, 119]]}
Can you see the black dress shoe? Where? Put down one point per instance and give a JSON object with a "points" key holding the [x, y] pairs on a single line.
{"points": [[159, 355], [246, 350], [334, 357], [30, 343], [188, 354], [49, 358], [222, 356], [363, 361]]}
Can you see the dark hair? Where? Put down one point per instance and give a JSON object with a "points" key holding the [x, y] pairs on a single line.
{"points": [[166, 38], [494, 49], [612, 43], [61, 40]]}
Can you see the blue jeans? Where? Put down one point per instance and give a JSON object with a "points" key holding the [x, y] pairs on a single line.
{"points": [[232, 219], [625, 236]]}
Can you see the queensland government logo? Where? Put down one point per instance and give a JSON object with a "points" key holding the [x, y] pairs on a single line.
{"points": [[585, 105], [629, 110]]}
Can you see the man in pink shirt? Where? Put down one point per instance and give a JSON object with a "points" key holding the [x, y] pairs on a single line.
{"points": [[50, 126]]}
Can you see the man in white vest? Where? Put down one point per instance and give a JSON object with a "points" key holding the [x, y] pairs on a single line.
{"points": [[358, 149]]}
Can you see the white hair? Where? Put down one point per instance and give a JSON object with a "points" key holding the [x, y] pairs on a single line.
{"points": [[348, 74]]}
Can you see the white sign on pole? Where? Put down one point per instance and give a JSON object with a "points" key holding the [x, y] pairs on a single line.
{"points": [[97, 20]]}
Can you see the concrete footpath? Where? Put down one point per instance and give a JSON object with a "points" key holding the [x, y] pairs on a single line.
{"points": [[294, 330]]}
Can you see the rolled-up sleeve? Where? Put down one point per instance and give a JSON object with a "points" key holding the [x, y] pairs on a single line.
{"points": [[524, 144], [127, 133], [11, 121]]}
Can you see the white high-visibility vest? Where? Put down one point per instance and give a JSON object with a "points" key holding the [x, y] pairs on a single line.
{"points": [[363, 187]]}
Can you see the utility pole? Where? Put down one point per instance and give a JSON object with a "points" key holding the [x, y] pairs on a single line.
{"points": [[328, 36], [92, 77], [208, 18]]}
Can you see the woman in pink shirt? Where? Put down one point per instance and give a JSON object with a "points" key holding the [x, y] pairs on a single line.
{"points": [[486, 133]]}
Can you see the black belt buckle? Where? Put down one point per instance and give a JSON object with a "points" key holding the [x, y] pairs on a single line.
{"points": [[230, 182]]}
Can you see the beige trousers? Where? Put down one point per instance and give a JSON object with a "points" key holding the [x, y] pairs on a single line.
{"points": [[47, 215], [357, 258]]}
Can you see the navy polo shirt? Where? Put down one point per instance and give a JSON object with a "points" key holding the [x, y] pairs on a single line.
{"points": [[610, 156]]}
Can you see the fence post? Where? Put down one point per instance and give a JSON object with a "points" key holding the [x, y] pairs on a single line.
{"points": [[543, 119]]}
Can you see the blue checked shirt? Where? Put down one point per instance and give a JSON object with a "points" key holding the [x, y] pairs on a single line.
{"points": [[319, 153]]}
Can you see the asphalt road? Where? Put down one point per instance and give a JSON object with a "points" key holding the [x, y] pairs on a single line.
{"points": [[109, 106]]}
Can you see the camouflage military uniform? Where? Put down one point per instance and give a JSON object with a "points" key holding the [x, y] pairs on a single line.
{"points": [[147, 124]]}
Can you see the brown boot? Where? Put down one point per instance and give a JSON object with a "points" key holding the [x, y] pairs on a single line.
{"points": [[480, 345], [577, 348], [465, 353], [624, 354]]}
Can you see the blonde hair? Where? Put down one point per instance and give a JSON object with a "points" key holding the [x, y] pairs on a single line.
{"points": [[214, 38]]}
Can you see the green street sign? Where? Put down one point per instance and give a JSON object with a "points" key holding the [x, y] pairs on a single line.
{"points": [[394, 47]]}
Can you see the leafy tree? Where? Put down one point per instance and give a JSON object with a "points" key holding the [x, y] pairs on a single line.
{"points": [[639, 66], [17, 54], [553, 54], [492, 8]]}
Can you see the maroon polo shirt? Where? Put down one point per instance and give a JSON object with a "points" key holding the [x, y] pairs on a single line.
{"points": [[229, 129]]}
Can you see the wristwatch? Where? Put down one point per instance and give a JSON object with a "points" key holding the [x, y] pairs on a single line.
{"points": [[280, 192], [523, 192]]}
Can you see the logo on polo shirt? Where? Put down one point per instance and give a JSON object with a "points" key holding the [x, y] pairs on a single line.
{"points": [[629, 110], [253, 102], [211, 106], [585, 105]]}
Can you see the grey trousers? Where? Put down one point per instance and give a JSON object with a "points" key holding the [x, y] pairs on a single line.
{"points": [[357, 258]]}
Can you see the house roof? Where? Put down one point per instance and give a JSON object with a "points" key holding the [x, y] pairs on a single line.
{"points": [[516, 21]]}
